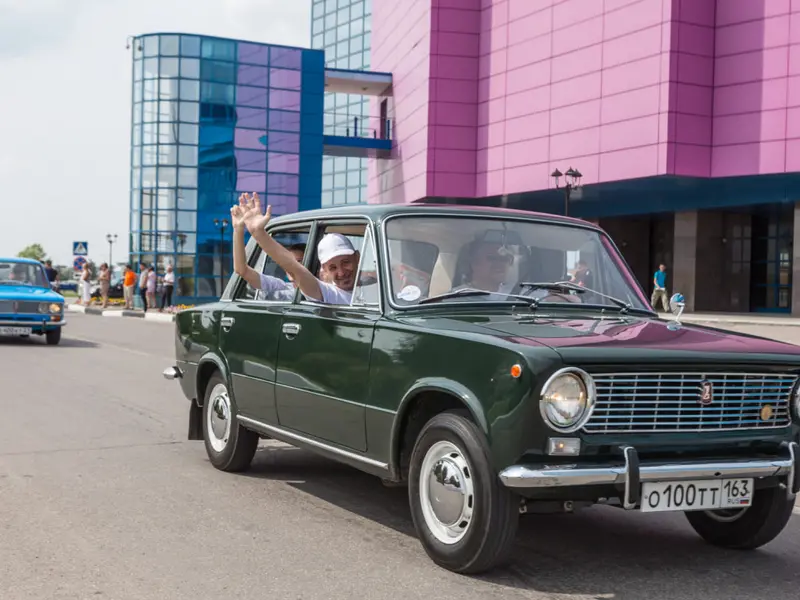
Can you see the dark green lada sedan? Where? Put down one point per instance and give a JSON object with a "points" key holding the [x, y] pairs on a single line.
{"points": [[499, 363]]}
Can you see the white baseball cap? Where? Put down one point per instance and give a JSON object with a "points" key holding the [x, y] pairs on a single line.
{"points": [[333, 245]]}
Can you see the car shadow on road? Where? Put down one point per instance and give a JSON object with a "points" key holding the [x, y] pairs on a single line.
{"points": [[600, 552], [36, 340]]}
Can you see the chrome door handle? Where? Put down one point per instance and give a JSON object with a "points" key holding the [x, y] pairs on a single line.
{"points": [[291, 329], [227, 323]]}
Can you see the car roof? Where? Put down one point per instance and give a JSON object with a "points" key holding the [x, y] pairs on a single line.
{"points": [[378, 212], [17, 259]]}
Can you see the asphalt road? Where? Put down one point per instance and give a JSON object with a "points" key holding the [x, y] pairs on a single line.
{"points": [[102, 497]]}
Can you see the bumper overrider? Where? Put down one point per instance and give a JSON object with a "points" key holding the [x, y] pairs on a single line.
{"points": [[630, 473]]}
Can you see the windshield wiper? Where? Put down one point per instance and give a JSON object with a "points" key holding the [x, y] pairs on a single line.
{"points": [[568, 286], [466, 292]]}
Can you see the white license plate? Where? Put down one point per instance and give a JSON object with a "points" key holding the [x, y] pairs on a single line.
{"points": [[15, 330], [708, 494]]}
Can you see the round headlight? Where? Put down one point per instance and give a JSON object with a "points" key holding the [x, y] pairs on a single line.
{"points": [[567, 400], [44, 307], [55, 307]]}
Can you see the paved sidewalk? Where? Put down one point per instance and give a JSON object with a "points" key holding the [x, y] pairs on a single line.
{"points": [[119, 312]]}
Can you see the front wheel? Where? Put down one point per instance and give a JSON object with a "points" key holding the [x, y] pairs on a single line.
{"points": [[230, 447], [53, 336], [464, 517], [746, 528]]}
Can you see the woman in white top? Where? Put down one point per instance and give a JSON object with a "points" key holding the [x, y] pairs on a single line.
{"points": [[169, 286], [86, 292]]}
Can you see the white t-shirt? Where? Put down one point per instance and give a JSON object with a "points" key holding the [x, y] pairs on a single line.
{"points": [[276, 289], [334, 295], [169, 278]]}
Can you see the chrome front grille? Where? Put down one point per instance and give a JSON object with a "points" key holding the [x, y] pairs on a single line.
{"points": [[671, 402], [18, 307]]}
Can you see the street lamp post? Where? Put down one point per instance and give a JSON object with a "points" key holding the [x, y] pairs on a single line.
{"points": [[221, 224], [111, 239], [572, 181]]}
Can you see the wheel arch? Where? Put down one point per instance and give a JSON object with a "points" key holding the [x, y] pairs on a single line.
{"points": [[426, 398], [208, 365]]}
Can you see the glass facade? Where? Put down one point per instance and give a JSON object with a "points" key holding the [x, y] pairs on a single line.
{"points": [[343, 29], [213, 118]]}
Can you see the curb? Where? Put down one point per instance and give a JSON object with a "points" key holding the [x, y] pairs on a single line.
{"points": [[133, 314]]}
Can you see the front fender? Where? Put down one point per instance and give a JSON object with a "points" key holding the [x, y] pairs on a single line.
{"points": [[434, 384]]}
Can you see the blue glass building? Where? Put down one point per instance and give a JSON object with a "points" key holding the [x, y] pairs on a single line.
{"points": [[213, 118]]}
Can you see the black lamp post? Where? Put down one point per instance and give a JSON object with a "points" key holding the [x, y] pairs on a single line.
{"points": [[221, 224], [111, 239], [572, 182]]}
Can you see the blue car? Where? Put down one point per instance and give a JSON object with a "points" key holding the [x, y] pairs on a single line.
{"points": [[27, 303]]}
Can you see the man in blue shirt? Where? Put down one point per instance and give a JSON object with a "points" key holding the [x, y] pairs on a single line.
{"points": [[660, 289]]}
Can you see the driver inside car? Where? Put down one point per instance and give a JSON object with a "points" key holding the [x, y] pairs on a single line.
{"points": [[487, 267]]}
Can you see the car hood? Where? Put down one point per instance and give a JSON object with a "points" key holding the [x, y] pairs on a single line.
{"points": [[635, 339], [28, 293]]}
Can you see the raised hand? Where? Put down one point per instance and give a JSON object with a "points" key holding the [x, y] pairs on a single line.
{"points": [[248, 213]]}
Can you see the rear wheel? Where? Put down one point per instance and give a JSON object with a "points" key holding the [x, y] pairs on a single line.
{"points": [[746, 528], [53, 336], [465, 518], [230, 447]]}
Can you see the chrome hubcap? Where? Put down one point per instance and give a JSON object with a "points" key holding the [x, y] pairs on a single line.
{"points": [[726, 515], [219, 418], [446, 492]]}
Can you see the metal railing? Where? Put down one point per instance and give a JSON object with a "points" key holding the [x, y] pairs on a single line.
{"points": [[357, 126]]}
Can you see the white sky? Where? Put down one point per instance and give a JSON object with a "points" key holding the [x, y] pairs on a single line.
{"points": [[65, 89]]}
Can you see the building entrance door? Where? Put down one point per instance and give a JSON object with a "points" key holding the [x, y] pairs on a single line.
{"points": [[771, 263]]}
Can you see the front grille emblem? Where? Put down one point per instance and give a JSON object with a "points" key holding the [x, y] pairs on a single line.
{"points": [[15, 307], [706, 396]]}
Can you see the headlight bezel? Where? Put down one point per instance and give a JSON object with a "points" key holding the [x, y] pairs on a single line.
{"points": [[590, 391], [44, 308]]}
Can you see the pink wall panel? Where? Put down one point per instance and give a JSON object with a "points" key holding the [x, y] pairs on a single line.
{"points": [[491, 95]]}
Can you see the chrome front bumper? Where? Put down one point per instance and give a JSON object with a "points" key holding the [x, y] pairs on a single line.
{"points": [[632, 473], [31, 324]]}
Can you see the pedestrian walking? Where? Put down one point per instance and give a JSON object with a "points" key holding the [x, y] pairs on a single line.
{"points": [[168, 287], [151, 288], [86, 292], [104, 278], [660, 289], [128, 286], [143, 285]]}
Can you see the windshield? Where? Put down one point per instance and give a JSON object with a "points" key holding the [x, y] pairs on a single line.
{"points": [[18, 273], [465, 259]]}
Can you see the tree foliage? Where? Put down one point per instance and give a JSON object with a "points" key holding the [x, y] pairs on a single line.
{"points": [[33, 251]]}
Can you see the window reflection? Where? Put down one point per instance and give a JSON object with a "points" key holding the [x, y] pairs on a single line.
{"points": [[170, 45], [167, 176], [190, 112], [255, 54], [285, 78], [283, 120], [151, 45], [251, 160], [284, 142], [284, 99], [213, 70], [190, 45], [190, 67], [187, 220], [167, 154], [251, 182], [150, 68], [187, 133], [251, 75], [283, 163], [187, 199], [167, 133], [189, 90], [250, 138], [251, 96], [251, 118], [187, 156], [216, 92], [279, 183], [168, 67], [289, 58], [187, 177], [217, 48]]}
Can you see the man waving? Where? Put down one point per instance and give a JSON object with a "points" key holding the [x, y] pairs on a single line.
{"points": [[336, 254]]}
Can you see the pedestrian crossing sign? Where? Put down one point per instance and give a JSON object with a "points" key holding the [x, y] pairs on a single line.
{"points": [[80, 248]]}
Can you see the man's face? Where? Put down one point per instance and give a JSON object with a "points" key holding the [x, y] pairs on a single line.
{"points": [[489, 265], [341, 271], [662, 268]]}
